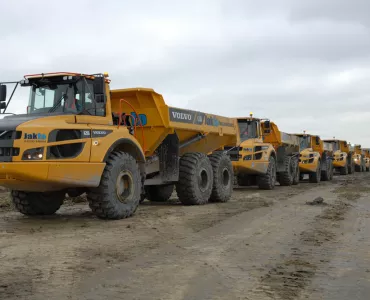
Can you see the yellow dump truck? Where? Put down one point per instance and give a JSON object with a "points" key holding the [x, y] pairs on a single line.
{"points": [[343, 160], [315, 160], [366, 154], [359, 158], [118, 146], [265, 155]]}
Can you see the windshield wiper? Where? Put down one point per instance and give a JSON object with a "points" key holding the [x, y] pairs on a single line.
{"points": [[57, 104]]}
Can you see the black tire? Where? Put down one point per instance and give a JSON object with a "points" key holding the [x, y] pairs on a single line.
{"points": [[297, 173], [159, 193], [367, 169], [286, 178], [111, 200], [344, 170], [315, 177], [267, 181], [222, 177], [301, 176], [351, 166], [195, 179], [358, 168], [326, 173], [37, 203]]}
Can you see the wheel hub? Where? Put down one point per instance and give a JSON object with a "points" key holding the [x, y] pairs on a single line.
{"points": [[125, 187]]}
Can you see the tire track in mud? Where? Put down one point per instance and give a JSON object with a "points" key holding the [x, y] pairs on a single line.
{"points": [[289, 277]]}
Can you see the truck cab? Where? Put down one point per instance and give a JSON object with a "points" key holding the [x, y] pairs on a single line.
{"points": [[254, 160], [342, 156], [314, 160]]}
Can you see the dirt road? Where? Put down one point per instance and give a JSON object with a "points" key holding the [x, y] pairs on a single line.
{"points": [[260, 245]]}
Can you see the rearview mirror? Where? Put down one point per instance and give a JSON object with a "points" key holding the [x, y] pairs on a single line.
{"points": [[99, 85], [2, 93], [267, 124]]}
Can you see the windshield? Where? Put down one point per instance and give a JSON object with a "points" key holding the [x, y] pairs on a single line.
{"points": [[50, 96], [304, 142], [336, 146], [248, 129]]}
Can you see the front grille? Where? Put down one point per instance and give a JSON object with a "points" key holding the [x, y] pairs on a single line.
{"points": [[9, 151], [10, 135]]}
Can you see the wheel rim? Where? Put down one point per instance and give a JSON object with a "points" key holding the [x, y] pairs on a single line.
{"points": [[203, 180], [225, 177], [125, 187]]}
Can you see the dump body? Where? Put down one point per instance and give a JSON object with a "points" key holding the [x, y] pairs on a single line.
{"points": [[159, 120], [278, 138]]}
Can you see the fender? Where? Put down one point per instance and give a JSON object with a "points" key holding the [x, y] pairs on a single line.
{"points": [[130, 146]]}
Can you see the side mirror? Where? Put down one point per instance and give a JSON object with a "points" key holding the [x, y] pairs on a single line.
{"points": [[317, 140], [99, 85], [266, 124], [2, 93]]}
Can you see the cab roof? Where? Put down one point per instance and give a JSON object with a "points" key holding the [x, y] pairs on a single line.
{"points": [[54, 74]]}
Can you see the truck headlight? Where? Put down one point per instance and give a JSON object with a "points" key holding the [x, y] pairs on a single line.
{"points": [[33, 154]]}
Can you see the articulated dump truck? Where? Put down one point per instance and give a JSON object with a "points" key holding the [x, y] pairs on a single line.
{"points": [[343, 160], [359, 158], [265, 155], [315, 159], [117, 146], [366, 154]]}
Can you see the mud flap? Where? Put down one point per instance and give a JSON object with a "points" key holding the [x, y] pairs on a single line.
{"points": [[168, 153]]}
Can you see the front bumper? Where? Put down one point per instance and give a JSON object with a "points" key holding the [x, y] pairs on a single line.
{"points": [[339, 163], [250, 167], [49, 176], [307, 167]]}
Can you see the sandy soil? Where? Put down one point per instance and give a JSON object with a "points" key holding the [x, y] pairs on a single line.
{"points": [[260, 245]]}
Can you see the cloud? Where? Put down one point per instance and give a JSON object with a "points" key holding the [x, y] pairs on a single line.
{"points": [[303, 64]]}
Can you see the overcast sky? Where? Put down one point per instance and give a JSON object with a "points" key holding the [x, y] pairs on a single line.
{"points": [[303, 64]]}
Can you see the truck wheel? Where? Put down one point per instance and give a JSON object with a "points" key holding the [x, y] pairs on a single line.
{"points": [[325, 174], [222, 177], [119, 192], [297, 175], [351, 166], [358, 168], [286, 178], [267, 181], [195, 179], [159, 193], [367, 169], [36, 203], [316, 176], [344, 170], [331, 172]]}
